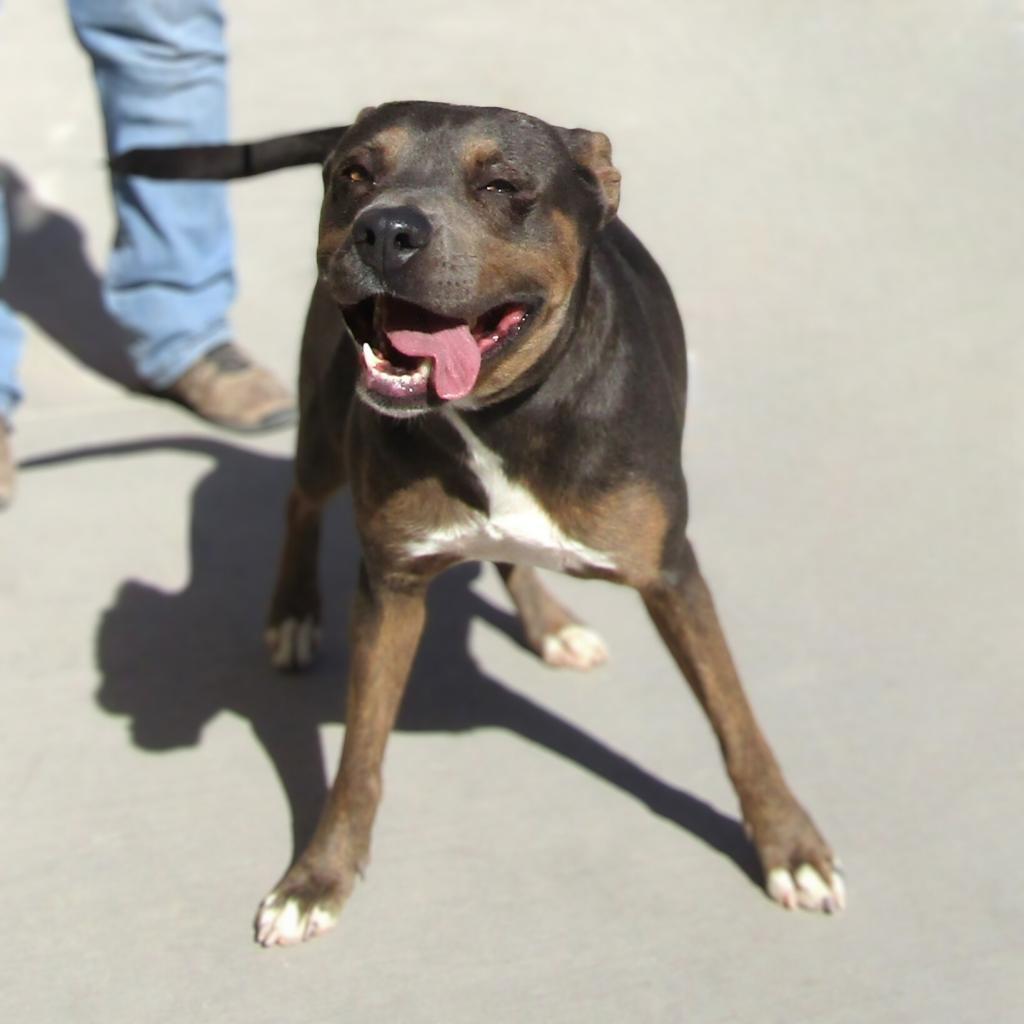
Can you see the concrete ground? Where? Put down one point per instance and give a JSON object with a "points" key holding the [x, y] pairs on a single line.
{"points": [[835, 193]]}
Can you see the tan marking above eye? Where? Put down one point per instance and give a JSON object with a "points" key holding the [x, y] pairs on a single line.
{"points": [[381, 153], [480, 152], [390, 144]]}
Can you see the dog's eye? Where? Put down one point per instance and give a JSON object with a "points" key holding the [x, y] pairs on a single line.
{"points": [[501, 185], [358, 174]]}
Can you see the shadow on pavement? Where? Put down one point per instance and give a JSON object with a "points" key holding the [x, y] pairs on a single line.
{"points": [[50, 280], [171, 662]]}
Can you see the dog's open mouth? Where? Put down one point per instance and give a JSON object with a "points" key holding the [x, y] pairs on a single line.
{"points": [[407, 349]]}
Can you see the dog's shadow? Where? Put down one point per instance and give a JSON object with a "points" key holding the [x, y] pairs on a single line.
{"points": [[171, 662]]}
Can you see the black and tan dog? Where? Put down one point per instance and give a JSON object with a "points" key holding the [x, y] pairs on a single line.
{"points": [[497, 367]]}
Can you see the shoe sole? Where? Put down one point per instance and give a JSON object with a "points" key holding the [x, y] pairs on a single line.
{"points": [[274, 421]]}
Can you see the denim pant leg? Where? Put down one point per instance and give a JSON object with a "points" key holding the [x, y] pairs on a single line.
{"points": [[161, 71], [11, 337]]}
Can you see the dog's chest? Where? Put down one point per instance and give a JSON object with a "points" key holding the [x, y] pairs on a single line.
{"points": [[518, 528]]}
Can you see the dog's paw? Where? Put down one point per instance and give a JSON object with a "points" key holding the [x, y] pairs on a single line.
{"points": [[806, 887], [800, 869], [299, 909], [293, 643], [574, 646]]}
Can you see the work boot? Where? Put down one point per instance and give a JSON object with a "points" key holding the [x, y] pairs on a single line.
{"points": [[227, 388]]}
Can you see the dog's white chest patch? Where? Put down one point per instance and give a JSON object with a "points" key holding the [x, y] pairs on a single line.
{"points": [[518, 529]]}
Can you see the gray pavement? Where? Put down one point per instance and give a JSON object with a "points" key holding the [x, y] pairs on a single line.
{"points": [[835, 193]]}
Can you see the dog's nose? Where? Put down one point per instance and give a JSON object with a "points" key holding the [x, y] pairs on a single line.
{"points": [[387, 237]]}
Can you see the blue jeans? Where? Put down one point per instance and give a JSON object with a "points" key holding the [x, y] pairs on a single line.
{"points": [[161, 71], [10, 334]]}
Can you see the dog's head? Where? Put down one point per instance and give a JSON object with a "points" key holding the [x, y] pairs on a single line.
{"points": [[452, 238]]}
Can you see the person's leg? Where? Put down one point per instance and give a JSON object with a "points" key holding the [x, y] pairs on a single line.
{"points": [[11, 335], [161, 72], [10, 353]]}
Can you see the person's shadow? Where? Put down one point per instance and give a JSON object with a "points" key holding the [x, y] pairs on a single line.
{"points": [[171, 662], [50, 280]]}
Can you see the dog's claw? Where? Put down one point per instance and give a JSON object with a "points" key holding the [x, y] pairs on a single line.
{"points": [[806, 888], [574, 646], [293, 644]]}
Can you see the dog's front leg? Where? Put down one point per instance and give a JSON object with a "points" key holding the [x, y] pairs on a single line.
{"points": [[799, 867], [387, 622]]}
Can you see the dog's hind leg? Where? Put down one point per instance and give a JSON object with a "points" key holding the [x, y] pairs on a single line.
{"points": [[326, 385], [293, 625], [550, 629]]}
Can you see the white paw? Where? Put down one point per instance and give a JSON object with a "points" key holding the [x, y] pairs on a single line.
{"points": [[284, 921], [293, 643], [806, 888], [574, 646]]}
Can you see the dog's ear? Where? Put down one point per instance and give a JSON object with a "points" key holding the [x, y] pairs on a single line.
{"points": [[221, 163], [592, 152]]}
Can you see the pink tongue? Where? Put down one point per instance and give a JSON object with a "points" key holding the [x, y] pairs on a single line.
{"points": [[455, 353]]}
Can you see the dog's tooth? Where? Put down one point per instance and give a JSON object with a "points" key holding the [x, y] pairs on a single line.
{"points": [[422, 372], [371, 357]]}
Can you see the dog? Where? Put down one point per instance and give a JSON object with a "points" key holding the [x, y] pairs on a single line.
{"points": [[496, 367]]}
